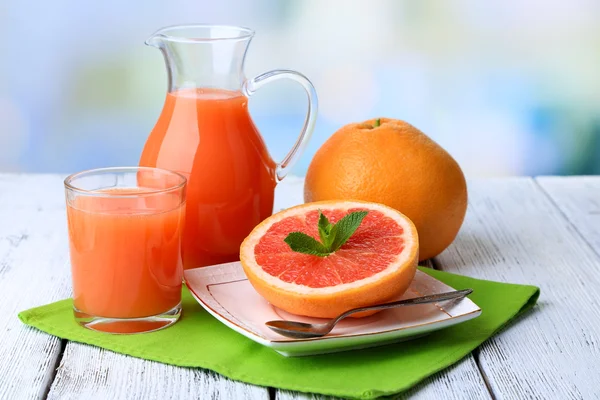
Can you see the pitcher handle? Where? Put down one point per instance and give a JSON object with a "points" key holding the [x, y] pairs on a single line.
{"points": [[251, 86]]}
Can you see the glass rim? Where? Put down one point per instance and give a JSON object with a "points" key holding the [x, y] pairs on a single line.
{"points": [[98, 192], [163, 33]]}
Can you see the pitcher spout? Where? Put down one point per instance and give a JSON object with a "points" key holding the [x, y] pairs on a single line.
{"points": [[200, 56], [157, 39], [153, 41]]}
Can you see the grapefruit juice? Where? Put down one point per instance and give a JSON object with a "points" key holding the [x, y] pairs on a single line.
{"points": [[125, 247], [208, 136]]}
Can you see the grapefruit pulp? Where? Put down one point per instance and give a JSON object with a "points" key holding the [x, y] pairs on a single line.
{"points": [[375, 265]]}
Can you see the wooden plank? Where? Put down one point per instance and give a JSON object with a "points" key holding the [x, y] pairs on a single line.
{"points": [[578, 198], [32, 192], [461, 381], [88, 372], [514, 233], [33, 271]]}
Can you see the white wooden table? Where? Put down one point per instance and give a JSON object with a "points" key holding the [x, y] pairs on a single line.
{"points": [[543, 231]]}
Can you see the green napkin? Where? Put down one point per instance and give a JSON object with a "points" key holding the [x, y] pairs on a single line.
{"points": [[199, 340]]}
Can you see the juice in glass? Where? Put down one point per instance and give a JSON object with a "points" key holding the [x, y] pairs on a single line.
{"points": [[125, 244]]}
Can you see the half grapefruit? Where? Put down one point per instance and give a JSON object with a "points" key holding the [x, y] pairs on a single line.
{"points": [[377, 263]]}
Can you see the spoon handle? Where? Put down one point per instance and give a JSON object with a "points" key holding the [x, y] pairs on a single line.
{"points": [[433, 298]]}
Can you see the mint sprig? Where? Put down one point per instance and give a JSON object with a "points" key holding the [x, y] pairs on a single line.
{"points": [[303, 243], [333, 236]]}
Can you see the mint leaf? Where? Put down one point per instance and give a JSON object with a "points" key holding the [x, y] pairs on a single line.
{"points": [[325, 230], [345, 228], [332, 236], [302, 243]]}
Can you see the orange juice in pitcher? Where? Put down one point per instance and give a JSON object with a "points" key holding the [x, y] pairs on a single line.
{"points": [[205, 132]]}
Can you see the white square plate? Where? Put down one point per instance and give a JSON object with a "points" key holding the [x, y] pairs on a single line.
{"points": [[225, 292]]}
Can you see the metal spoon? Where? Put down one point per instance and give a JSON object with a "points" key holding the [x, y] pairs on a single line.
{"points": [[302, 330]]}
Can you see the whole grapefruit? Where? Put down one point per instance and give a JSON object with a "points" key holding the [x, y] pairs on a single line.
{"points": [[391, 162], [375, 265]]}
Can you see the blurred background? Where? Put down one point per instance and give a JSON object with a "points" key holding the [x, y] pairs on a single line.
{"points": [[507, 87]]}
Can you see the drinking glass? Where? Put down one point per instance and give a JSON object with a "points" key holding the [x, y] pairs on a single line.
{"points": [[125, 227]]}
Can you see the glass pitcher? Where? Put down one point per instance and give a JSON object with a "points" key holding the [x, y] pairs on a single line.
{"points": [[205, 132]]}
